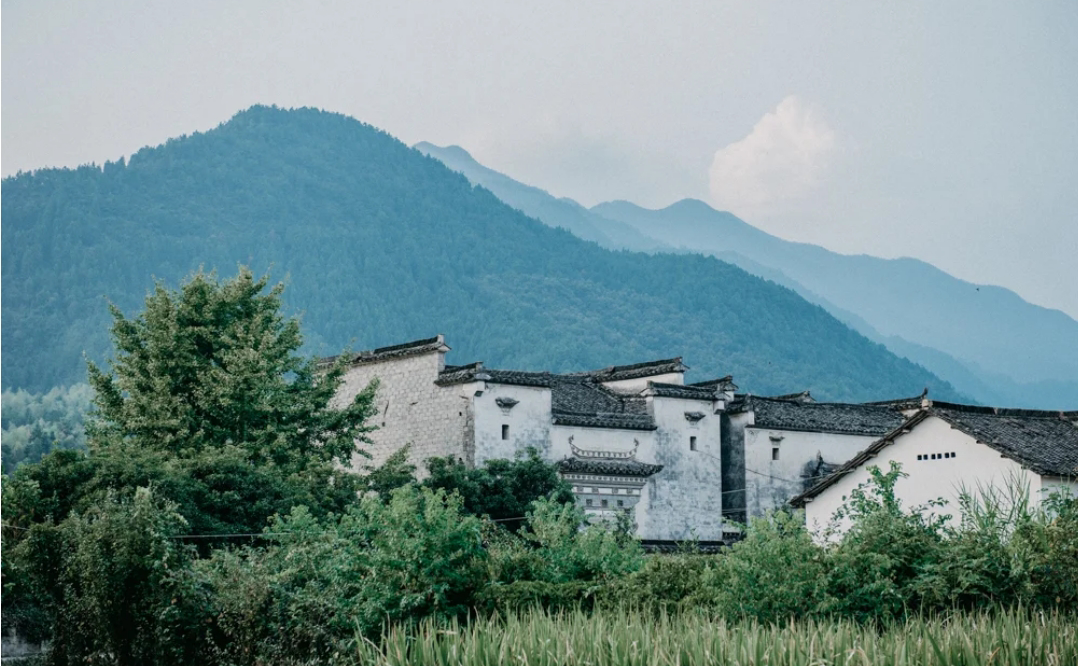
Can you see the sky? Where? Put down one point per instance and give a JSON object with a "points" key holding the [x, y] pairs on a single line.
{"points": [[941, 131]]}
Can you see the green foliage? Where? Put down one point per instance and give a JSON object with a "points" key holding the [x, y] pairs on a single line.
{"points": [[629, 638], [302, 598], [774, 574], [379, 242], [503, 490], [100, 583], [664, 584], [35, 424], [208, 401], [395, 472], [558, 546]]}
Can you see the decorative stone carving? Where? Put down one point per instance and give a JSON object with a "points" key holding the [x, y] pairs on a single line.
{"points": [[506, 403], [694, 417]]}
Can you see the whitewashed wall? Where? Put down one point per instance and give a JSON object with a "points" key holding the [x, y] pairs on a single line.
{"points": [[974, 465], [770, 484], [685, 499], [529, 422]]}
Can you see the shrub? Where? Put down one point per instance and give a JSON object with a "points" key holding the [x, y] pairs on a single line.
{"points": [[774, 574]]}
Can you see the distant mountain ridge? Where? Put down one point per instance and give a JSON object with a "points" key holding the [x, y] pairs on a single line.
{"points": [[985, 340], [380, 244]]}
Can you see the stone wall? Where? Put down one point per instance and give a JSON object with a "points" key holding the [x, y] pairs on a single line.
{"points": [[412, 409]]}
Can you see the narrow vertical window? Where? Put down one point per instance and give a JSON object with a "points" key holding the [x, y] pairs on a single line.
{"points": [[693, 443], [506, 431], [776, 453]]}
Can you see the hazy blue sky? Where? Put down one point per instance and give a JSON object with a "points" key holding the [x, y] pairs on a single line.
{"points": [[941, 130]]}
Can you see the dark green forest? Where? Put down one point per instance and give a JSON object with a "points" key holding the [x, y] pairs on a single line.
{"points": [[379, 244]]}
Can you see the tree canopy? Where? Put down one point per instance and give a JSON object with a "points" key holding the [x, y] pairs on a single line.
{"points": [[207, 399]]}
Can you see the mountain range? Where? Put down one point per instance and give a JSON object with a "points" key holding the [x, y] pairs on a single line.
{"points": [[985, 340], [379, 244]]}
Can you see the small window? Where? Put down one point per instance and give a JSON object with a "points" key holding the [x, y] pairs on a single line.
{"points": [[918, 457], [620, 503], [953, 454], [776, 453], [588, 502], [506, 431], [603, 503], [693, 443]]}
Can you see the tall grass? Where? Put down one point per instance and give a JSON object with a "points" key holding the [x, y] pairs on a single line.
{"points": [[624, 638]]}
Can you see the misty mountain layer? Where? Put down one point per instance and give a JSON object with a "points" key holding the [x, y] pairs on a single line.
{"points": [[379, 244], [985, 340]]}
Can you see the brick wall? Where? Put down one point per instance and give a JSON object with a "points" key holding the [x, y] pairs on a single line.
{"points": [[412, 409]]}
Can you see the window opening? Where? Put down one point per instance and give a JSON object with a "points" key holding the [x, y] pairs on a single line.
{"points": [[693, 443], [505, 431], [776, 453]]}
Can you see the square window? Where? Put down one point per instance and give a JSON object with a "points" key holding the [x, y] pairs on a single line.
{"points": [[693, 443], [918, 457], [776, 453], [953, 454], [620, 503], [505, 431], [588, 502], [603, 503]]}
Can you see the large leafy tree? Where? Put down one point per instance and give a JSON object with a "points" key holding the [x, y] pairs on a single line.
{"points": [[207, 399]]}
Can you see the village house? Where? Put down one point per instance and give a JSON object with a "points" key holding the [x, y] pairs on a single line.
{"points": [[689, 461], [776, 448], [945, 449], [632, 438]]}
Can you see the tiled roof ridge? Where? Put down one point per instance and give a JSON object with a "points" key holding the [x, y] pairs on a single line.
{"points": [[1004, 411], [665, 390], [637, 370], [711, 382], [404, 349]]}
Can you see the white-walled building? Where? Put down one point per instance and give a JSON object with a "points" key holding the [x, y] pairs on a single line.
{"points": [[777, 448], [944, 447], [629, 438]]}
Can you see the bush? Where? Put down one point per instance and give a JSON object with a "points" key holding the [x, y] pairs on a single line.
{"points": [[102, 582], [304, 596], [774, 574]]}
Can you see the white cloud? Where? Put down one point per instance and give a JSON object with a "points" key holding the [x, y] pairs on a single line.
{"points": [[784, 158]]}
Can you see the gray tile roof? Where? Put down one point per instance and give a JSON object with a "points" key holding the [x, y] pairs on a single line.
{"points": [[831, 417], [1042, 441], [718, 384], [638, 370], [628, 467], [662, 390], [576, 399], [413, 348]]}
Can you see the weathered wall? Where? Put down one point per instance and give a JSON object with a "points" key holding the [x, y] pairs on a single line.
{"points": [[974, 465], [770, 484], [529, 422], [733, 463], [684, 500], [412, 409]]}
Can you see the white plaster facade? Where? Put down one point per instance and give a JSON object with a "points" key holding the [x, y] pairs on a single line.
{"points": [[939, 461], [478, 415], [780, 464]]}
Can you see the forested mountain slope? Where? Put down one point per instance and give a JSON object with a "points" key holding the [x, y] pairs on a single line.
{"points": [[535, 202], [380, 244]]}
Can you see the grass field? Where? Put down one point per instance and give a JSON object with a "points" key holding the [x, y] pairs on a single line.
{"points": [[626, 638]]}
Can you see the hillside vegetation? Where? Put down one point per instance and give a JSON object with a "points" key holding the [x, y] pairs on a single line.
{"points": [[380, 244]]}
